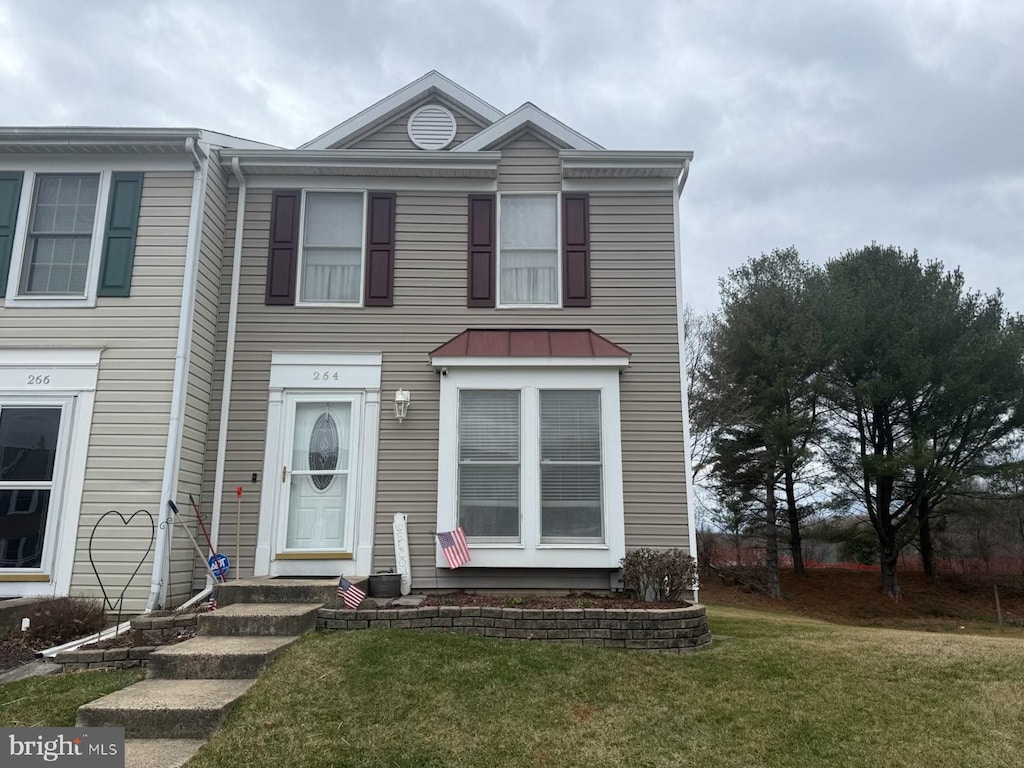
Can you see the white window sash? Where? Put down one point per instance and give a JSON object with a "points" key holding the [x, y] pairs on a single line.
{"points": [[503, 301], [22, 242], [301, 270]]}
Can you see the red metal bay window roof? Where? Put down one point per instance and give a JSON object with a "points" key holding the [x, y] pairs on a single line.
{"points": [[493, 342]]}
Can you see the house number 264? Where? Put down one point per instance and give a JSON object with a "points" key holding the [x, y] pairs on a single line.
{"points": [[38, 380], [325, 375]]}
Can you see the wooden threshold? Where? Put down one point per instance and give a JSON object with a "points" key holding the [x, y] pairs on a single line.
{"points": [[7, 577]]}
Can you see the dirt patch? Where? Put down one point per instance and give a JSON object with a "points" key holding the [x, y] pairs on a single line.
{"points": [[951, 603], [51, 622], [584, 600]]}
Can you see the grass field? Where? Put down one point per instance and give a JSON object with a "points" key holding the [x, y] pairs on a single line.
{"points": [[53, 700], [775, 691]]}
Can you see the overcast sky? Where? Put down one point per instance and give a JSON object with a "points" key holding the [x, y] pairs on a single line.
{"points": [[824, 125]]}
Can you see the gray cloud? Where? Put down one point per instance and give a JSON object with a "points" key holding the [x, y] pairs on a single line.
{"points": [[821, 124]]}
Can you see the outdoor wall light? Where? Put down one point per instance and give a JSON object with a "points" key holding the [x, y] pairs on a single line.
{"points": [[401, 403]]}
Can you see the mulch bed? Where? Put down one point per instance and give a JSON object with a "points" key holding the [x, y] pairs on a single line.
{"points": [[584, 600]]}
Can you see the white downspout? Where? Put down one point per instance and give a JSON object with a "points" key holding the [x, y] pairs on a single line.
{"points": [[229, 363], [179, 387], [687, 463]]}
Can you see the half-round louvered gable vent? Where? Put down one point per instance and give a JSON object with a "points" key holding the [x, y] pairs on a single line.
{"points": [[432, 127]]}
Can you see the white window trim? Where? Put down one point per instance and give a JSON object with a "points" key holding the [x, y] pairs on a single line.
{"points": [[302, 251], [558, 250], [50, 377], [529, 551], [20, 244]]}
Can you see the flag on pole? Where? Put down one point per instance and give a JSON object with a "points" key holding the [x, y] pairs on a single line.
{"points": [[350, 593], [454, 546]]}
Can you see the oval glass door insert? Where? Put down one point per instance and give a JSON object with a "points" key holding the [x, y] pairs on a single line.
{"points": [[323, 450]]}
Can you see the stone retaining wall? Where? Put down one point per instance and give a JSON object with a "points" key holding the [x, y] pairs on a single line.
{"points": [[147, 633], [672, 630]]}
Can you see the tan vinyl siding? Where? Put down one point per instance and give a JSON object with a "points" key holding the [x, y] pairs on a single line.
{"points": [[632, 266], [129, 430], [529, 164], [394, 134], [200, 378]]}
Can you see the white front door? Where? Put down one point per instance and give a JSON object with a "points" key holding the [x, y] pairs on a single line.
{"points": [[319, 476]]}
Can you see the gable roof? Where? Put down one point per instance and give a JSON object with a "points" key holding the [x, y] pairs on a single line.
{"points": [[527, 116], [430, 83]]}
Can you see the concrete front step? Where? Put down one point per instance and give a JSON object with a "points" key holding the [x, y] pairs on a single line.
{"points": [[268, 590], [165, 709], [159, 753], [260, 619], [216, 657]]}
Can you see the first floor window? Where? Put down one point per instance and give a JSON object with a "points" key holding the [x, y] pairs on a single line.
{"points": [[489, 463], [332, 248], [528, 254], [530, 466], [570, 464], [28, 457], [60, 235]]}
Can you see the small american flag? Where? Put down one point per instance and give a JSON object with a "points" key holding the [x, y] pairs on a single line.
{"points": [[212, 604], [454, 546], [350, 593]]}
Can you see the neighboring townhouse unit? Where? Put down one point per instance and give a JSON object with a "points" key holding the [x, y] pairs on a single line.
{"points": [[515, 283], [105, 235]]}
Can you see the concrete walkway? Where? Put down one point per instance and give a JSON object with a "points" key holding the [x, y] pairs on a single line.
{"points": [[191, 687]]}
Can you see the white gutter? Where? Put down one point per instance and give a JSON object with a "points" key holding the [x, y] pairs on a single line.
{"points": [[103, 634], [691, 523], [179, 388], [229, 363]]}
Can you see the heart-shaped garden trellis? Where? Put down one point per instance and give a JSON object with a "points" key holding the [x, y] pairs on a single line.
{"points": [[125, 522]]}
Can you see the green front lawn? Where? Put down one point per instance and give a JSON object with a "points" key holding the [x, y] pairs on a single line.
{"points": [[53, 700], [779, 691]]}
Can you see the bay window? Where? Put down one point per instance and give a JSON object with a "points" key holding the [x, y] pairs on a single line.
{"points": [[530, 465]]}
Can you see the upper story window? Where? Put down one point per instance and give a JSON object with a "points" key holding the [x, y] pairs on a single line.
{"points": [[528, 250], [528, 263], [60, 235], [332, 248], [67, 238]]}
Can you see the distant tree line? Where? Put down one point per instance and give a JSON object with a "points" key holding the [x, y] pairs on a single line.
{"points": [[876, 385]]}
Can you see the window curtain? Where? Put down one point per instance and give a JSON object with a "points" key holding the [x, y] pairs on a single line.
{"points": [[529, 249], [332, 247]]}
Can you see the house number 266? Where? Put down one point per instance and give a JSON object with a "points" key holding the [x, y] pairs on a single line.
{"points": [[325, 375], [39, 380]]}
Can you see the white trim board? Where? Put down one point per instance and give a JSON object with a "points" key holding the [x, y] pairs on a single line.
{"points": [[527, 116], [302, 373], [66, 377]]}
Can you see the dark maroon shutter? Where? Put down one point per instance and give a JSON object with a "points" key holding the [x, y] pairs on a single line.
{"points": [[575, 251], [380, 250], [283, 258], [480, 289]]}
